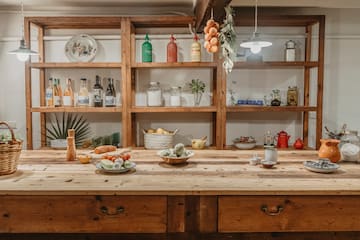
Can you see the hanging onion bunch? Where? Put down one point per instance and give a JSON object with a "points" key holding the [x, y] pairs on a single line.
{"points": [[211, 31], [227, 38]]}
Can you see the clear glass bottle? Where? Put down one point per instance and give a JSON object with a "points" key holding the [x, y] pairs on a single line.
{"points": [[83, 96], [68, 98], [56, 93], [154, 95], [98, 92], [49, 93], [110, 95], [175, 97], [276, 97]]}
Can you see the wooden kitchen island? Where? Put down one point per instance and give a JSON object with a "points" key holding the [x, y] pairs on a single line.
{"points": [[216, 195]]}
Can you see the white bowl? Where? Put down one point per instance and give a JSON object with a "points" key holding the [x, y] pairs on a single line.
{"points": [[245, 145]]}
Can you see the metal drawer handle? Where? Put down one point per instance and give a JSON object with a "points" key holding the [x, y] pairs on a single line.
{"points": [[105, 210], [266, 210]]}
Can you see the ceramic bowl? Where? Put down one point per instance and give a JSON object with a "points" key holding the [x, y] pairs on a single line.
{"points": [[198, 143], [245, 145], [267, 164]]}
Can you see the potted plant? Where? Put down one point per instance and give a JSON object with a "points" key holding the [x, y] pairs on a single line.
{"points": [[58, 129], [197, 88]]}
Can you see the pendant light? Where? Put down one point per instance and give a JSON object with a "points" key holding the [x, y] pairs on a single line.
{"points": [[23, 52], [255, 43]]}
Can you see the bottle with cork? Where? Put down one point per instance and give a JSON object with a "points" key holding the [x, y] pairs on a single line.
{"points": [[71, 148], [172, 50]]}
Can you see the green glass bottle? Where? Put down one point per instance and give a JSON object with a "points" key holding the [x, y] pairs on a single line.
{"points": [[147, 50]]}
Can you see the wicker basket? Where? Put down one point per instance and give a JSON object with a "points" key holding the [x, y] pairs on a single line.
{"points": [[159, 141], [9, 153]]}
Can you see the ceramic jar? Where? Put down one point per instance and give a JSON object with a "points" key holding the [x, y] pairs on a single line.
{"points": [[329, 149]]}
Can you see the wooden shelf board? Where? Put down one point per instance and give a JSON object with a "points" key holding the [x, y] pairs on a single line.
{"points": [[259, 65], [251, 108], [176, 65], [172, 109], [241, 19], [69, 22], [162, 21], [77, 109], [76, 65]]}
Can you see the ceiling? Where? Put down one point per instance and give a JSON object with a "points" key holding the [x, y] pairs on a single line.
{"points": [[185, 6]]}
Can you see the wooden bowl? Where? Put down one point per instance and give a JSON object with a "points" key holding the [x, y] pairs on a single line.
{"points": [[267, 164], [176, 160]]}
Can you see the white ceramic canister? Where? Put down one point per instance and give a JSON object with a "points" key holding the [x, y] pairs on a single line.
{"points": [[270, 154]]}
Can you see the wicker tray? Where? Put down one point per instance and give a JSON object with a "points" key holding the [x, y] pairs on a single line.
{"points": [[9, 153]]}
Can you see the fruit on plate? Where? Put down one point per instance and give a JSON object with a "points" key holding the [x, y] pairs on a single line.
{"points": [[116, 165], [106, 164], [124, 157], [104, 149]]}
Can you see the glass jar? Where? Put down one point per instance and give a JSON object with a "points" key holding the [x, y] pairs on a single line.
{"points": [[292, 96], [175, 96], [276, 97], [290, 51], [154, 95]]}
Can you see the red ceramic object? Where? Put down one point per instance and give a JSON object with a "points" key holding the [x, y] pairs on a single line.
{"points": [[282, 139], [298, 144], [329, 149]]}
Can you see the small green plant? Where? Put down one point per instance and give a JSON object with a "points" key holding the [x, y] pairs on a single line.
{"points": [[58, 129], [197, 86]]}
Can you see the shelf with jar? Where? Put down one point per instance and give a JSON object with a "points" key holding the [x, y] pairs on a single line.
{"points": [[170, 57]]}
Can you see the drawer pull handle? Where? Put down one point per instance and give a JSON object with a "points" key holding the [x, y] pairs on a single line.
{"points": [[274, 212], [118, 210]]}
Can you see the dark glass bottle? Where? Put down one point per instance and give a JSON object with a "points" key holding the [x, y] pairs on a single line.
{"points": [[98, 92], [110, 96]]}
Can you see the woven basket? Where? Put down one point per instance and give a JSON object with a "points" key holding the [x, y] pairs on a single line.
{"points": [[9, 153], [159, 141]]}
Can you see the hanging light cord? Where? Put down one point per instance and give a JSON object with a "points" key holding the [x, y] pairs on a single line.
{"points": [[256, 16], [22, 21]]}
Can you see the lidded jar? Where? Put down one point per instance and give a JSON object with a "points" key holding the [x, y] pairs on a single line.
{"points": [[175, 96], [154, 95], [290, 51]]}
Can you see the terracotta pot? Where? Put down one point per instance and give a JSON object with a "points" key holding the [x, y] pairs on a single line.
{"points": [[329, 149]]}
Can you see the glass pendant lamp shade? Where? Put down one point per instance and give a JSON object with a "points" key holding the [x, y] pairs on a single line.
{"points": [[23, 52], [255, 43]]}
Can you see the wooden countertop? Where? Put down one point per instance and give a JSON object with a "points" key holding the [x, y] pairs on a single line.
{"points": [[209, 172]]}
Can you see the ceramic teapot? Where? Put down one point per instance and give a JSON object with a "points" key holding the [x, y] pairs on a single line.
{"points": [[282, 139], [298, 144]]}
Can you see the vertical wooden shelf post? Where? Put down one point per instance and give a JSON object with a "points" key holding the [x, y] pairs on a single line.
{"points": [[29, 130], [308, 31]]}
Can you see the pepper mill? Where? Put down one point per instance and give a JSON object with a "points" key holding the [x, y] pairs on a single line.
{"points": [[71, 148]]}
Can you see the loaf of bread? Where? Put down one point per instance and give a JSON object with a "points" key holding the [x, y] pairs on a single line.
{"points": [[104, 149]]}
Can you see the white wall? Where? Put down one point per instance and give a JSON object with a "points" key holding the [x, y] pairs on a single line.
{"points": [[340, 98]]}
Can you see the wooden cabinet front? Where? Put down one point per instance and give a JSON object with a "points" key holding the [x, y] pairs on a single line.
{"points": [[288, 213], [83, 214]]}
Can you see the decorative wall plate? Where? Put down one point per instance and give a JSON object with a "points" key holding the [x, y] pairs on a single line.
{"points": [[81, 48]]}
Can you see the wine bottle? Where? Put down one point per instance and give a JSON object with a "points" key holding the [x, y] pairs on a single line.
{"points": [[68, 98], [110, 95], [56, 93], [98, 92]]}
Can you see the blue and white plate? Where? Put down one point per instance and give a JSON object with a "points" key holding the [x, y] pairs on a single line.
{"points": [[321, 166]]}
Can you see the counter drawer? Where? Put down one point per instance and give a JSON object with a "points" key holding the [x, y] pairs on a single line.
{"points": [[68, 214], [288, 213]]}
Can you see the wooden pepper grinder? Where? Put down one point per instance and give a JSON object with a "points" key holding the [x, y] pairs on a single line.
{"points": [[172, 50], [71, 148]]}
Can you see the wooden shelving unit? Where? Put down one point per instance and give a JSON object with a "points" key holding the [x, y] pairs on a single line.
{"points": [[128, 27]]}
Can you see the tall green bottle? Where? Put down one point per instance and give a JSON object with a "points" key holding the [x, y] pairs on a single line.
{"points": [[146, 50]]}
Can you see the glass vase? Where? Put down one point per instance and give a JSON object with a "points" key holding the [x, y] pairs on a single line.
{"points": [[197, 98]]}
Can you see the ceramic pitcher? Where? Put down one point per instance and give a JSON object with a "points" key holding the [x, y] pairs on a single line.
{"points": [[329, 149]]}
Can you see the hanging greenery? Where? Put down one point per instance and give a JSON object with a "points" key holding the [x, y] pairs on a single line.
{"points": [[227, 37]]}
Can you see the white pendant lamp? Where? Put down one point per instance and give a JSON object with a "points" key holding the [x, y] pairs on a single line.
{"points": [[23, 52], [255, 43]]}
